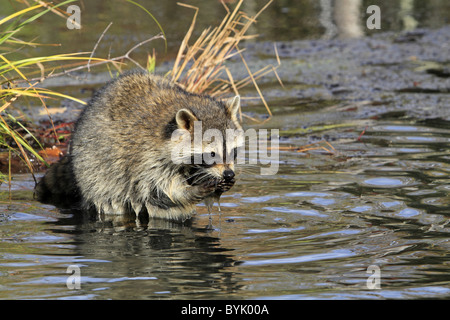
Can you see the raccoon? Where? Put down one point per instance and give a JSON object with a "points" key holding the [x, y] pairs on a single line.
{"points": [[121, 157]]}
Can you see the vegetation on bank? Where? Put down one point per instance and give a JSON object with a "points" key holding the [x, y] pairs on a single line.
{"points": [[200, 66]]}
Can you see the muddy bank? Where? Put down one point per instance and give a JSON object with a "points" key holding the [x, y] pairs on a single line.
{"points": [[400, 73], [394, 75], [406, 73]]}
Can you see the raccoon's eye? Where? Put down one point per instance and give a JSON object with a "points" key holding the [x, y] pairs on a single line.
{"points": [[213, 154]]}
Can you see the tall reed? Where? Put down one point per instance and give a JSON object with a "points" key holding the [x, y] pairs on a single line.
{"points": [[201, 66]]}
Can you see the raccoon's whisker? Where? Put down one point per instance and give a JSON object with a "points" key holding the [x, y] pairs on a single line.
{"points": [[200, 178], [250, 166], [250, 170], [192, 176]]}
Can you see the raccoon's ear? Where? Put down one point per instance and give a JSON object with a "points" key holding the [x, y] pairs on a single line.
{"points": [[233, 105], [185, 119]]}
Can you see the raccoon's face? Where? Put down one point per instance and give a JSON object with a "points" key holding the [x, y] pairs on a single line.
{"points": [[214, 143]]}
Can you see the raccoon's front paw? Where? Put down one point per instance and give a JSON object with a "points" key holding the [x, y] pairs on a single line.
{"points": [[204, 189], [225, 185]]}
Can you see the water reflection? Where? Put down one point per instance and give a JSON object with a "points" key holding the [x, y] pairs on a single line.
{"points": [[341, 18], [385, 182], [283, 20], [301, 259], [406, 14], [310, 232], [162, 258]]}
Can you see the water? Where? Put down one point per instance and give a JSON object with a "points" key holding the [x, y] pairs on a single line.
{"points": [[309, 232], [282, 20], [312, 231]]}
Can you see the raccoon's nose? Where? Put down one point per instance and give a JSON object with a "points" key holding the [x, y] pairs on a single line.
{"points": [[228, 174]]}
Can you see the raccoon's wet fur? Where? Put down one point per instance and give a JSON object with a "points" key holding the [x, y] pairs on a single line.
{"points": [[120, 157]]}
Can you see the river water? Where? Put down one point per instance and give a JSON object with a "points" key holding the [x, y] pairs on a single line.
{"points": [[313, 230], [364, 218]]}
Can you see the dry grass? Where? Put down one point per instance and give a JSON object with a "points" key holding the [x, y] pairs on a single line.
{"points": [[12, 70], [200, 67], [20, 78]]}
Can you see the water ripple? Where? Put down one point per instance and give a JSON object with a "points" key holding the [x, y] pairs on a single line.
{"points": [[303, 212], [335, 254]]}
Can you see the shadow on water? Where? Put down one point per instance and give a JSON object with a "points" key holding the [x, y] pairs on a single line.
{"points": [[310, 232], [166, 259], [118, 258]]}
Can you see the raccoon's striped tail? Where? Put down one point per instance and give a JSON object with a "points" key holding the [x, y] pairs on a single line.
{"points": [[58, 185]]}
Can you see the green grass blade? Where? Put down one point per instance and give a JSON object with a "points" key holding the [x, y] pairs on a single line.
{"points": [[154, 19], [31, 19]]}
